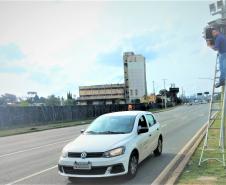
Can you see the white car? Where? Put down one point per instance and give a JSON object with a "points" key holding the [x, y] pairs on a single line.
{"points": [[114, 144]]}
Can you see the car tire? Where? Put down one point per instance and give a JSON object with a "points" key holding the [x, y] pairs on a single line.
{"points": [[133, 166], [158, 150]]}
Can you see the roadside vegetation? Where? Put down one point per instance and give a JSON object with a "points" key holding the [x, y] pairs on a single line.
{"points": [[211, 171]]}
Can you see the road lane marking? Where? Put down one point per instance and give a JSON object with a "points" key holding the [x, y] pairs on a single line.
{"points": [[34, 148], [163, 126], [32, 175]]}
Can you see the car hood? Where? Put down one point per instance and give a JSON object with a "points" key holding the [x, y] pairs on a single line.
{"points": [[97, 143]]}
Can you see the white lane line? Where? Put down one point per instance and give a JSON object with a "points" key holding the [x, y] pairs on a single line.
{"points": [[32, 175], [34, 148], [163, 126]]}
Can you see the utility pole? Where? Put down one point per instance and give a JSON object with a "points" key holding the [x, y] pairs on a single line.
{"points": [[164, 84], [182, 93], [153, 82]]}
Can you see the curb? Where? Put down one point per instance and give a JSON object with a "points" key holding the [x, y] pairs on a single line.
{"points": [[176, 173], [172, 171]]}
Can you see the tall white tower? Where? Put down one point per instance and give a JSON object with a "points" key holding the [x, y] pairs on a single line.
{"points": [[135, 76]]}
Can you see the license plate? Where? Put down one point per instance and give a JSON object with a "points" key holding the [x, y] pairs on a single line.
{"points": [[82, 166]]}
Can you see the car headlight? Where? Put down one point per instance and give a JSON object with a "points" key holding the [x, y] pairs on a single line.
{"points": [[115, 152], [64, 154]]}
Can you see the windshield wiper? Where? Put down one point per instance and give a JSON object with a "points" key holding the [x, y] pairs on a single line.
{"points": [[92, 132], [111, 132]]}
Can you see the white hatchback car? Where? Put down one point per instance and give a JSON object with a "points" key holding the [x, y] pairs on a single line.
{"points": [[114, 144]]}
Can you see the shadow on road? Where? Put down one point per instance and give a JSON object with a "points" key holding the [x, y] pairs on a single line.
{"points": [[146, 174]]}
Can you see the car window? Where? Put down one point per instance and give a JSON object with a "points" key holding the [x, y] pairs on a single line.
{"points": [[142, 122], [111, 124], [150, 119]]}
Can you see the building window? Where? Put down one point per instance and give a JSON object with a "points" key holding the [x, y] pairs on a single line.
{"points": [[131, 92], [136, 92]]}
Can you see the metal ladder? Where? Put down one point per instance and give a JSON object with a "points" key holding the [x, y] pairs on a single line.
{"points": [[216, 112]]}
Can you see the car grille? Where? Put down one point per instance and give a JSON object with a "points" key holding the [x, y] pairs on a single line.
{"points": [[100, 170], [89, 154], [96, 170]]}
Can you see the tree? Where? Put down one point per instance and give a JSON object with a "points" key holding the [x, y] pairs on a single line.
{"points": [[24, 103], [164, 92], [36, 99], [52, 100], [70, 101], [8, 99], [69, 96], [42, 100]]}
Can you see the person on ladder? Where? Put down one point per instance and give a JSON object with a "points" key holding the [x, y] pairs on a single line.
{"points": [[220, 46]]}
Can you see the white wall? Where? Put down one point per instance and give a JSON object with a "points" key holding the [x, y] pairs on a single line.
{"points": [[137, 79]]}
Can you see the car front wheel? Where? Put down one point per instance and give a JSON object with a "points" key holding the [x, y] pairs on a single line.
{"points": [[158, 150], [133, 165]]}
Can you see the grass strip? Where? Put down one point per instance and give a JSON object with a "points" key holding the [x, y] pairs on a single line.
{"points": [[211, 171]]}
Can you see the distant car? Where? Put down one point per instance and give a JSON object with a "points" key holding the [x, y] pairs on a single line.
{"points": [[114, 144]]}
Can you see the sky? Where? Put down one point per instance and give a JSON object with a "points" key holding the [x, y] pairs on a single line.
{"points": [[56, 46]]}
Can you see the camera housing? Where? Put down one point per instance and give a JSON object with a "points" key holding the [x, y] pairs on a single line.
{"points": [[208, 35]]}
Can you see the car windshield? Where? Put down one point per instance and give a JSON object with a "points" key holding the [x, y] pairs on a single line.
{"points": [[111, 125]]}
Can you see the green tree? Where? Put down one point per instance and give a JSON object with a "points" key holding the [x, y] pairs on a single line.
{"points": [[69, 96], [164, 92], [69, 101], [52, 100], [8, 99], [24, 103]]}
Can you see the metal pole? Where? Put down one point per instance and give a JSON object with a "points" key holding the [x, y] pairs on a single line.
{"points": [[223, 14], [223, 120], [153, 87], [164, 82]]}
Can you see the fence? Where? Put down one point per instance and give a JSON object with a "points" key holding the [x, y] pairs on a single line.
{"points": [[14, 117]]}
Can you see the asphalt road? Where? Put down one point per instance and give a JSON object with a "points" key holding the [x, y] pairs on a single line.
{"points": [[32, 158]]}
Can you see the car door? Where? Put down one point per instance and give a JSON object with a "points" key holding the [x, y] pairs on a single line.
{"points": [[153, 131], [143, 138]]}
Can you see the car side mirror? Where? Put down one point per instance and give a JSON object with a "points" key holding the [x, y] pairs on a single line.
{"points": [[155, 121], [142, 130], [82, 131]]}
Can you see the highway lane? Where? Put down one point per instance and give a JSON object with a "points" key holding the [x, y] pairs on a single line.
{"points": [[22, 156]]}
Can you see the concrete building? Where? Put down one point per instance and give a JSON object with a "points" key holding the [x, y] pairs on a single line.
{"points": [[134, 87], [102, 94], [135, 76]]}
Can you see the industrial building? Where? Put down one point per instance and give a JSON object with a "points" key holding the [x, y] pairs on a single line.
{"points": [[134, 87], [102, 94]]}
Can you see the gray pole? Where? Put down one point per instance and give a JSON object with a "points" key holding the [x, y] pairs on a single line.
{"points": [[164, 82], [153, 87], [223, 14]]}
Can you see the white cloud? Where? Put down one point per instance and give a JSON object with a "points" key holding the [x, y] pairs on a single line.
{"points": [[62, 42]]}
